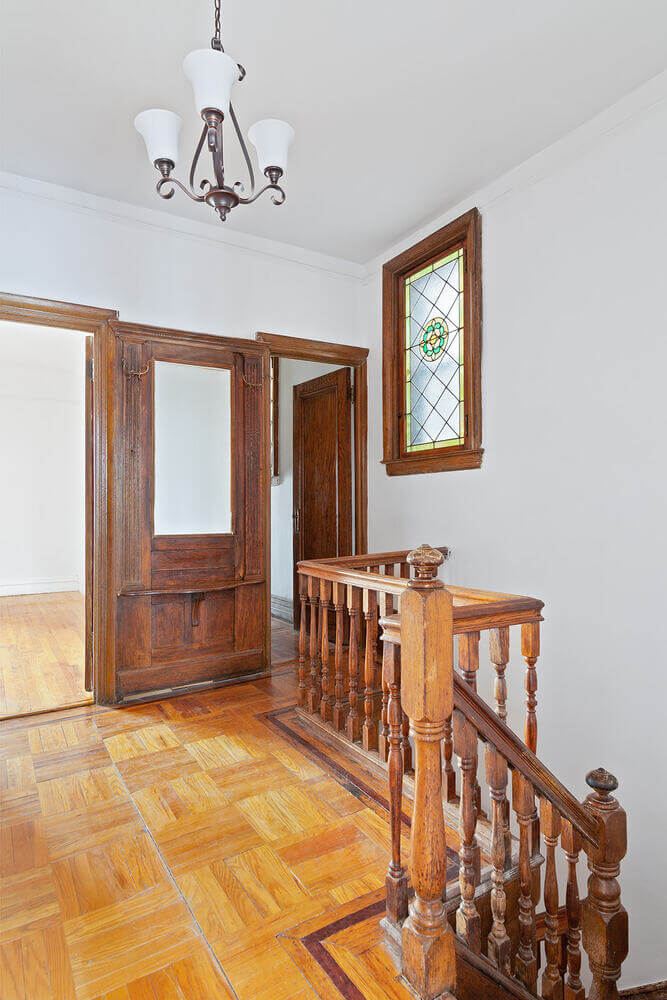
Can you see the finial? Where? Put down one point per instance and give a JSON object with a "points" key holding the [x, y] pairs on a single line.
{"points": [[602, 781], [425, 560]]}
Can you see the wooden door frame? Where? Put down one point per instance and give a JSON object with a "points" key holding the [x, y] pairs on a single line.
{"points": [[90, 320], [356, 358]]}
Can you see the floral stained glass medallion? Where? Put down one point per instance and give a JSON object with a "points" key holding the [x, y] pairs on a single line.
{"points": [[434, 332]]}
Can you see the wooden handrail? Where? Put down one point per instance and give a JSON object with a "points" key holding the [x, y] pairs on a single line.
{"points": [[377, 558], [323, 570], [493, 730], [473, 609]]}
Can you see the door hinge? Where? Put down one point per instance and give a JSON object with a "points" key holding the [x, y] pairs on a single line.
{"points": [[351, 393], [90, 369], [466, 425]]}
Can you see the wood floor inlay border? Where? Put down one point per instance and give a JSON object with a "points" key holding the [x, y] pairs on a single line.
{"points": [[313, 944], [354, 781]]}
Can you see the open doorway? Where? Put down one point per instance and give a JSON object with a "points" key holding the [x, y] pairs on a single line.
{"points": [[45, 399], [319, 466]]}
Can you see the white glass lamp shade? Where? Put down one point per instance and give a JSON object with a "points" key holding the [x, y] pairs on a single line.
{"points": [[160, 130], [212, 75], [271, 138]]}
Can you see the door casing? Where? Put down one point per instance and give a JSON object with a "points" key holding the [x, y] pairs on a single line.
{"points": [[356, 358], [88, 319]]}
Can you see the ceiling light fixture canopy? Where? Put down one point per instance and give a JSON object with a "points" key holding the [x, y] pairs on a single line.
{"points": [[213, 75]]}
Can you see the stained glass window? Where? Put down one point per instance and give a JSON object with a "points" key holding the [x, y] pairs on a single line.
{"points": [[434, 366], [432, 352]]}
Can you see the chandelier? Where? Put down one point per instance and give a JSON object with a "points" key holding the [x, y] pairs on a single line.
{"points": [[212, 74]]}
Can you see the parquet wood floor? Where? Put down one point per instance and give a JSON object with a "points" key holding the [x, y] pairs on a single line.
{"points": [[188, 849], [41, 653]]}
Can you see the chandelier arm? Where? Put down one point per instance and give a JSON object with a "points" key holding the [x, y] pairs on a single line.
{"points": [[277, 198], [218, 158], [195, 161], [239, 186], [169, 194]]}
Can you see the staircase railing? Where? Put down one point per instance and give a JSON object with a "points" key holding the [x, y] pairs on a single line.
{"points": [[428, 712]]}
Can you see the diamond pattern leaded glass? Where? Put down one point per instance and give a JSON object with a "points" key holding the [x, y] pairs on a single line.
{"points": [[434, 355]]}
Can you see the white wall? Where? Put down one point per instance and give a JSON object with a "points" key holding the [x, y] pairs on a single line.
{"points": [[42, 514], [570, 502], [292, 372], [154, 267]]}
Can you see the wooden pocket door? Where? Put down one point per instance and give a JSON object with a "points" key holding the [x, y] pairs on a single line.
{"points": [[189, 608]]}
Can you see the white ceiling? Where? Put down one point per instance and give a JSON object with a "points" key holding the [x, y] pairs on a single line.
{"points": [[400, 109]]}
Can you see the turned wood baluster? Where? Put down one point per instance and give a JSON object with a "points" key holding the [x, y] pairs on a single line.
{"points": [[397, 879], [499, 648], [468, 924], [469, 665], [523, 799], [530, 650], [552, 980], [571, 843], [314, 693], [353, 725], [605, 921], [386, 609], [429, 962], [447, 753], [383, 735], [369, 732], [339, 689], [302, 691], [326, 704], [496, 777]]}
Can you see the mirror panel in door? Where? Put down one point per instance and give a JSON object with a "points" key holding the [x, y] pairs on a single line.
{"points": [[192, 450]]}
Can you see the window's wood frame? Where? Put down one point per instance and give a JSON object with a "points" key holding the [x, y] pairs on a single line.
{"points": [[466, 232]]}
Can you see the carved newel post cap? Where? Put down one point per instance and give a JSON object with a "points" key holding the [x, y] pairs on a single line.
{"points": [[425, 561], [602, 781]]}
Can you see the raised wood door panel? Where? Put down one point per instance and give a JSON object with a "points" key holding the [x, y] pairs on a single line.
{"points": [[190, 607], [322, 460]]}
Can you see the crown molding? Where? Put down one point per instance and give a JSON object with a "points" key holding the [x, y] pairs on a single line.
{"points": [[614, 120], [125, 213]]}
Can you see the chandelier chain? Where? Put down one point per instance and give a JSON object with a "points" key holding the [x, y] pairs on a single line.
{"points": [[216, 33]]}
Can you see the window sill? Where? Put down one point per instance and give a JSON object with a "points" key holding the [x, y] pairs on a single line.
{"points": [[471, 459]]}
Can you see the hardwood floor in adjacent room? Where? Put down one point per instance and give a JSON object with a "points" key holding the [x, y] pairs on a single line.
{"points": [[41, 652], [189, 849]]}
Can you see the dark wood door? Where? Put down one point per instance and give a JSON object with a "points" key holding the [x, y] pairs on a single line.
{"points": [[192, 603], [322, 483]]}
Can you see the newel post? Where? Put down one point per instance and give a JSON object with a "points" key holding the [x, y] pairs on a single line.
{"points": [[427, 680], [605, 921]]}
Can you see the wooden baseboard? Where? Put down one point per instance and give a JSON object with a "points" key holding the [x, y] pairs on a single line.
{"points": [[282, 608], [654, 991]]}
